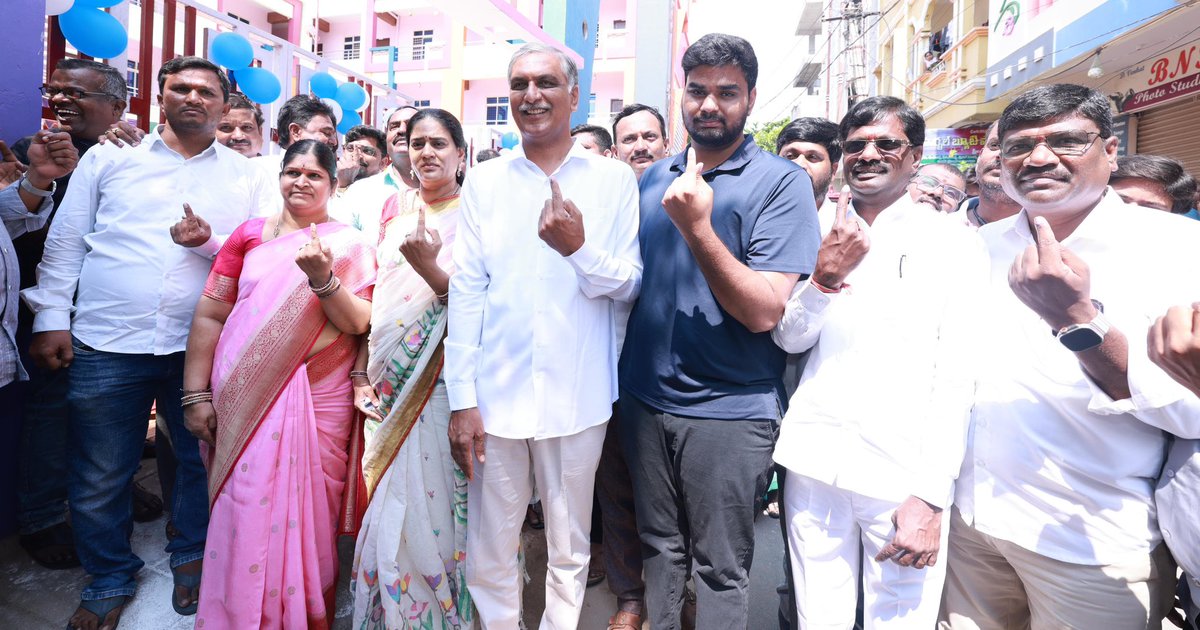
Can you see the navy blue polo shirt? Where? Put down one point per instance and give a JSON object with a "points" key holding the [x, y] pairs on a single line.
{"points": [[684, 354]]}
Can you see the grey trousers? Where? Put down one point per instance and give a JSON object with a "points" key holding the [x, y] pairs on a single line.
{"points": [[695, 482]]}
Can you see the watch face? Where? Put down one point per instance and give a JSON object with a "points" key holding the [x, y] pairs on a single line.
{"points": [[1081, 339]]}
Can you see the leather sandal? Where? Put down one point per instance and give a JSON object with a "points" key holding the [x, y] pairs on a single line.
{"points": [[190, 582], [625, 620], [103, 609]]}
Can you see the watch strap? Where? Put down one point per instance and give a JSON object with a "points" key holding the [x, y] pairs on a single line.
{"points": [[31, 189]]}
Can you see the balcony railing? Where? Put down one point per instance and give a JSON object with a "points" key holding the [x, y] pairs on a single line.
{"points": [[958, 65]]}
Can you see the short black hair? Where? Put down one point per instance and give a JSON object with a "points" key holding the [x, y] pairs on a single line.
{"points": [[237, 100], [484, 155], [876, 108], [1169, 173], [325, 156], [1046, 103], [179, 64], [114, 81], [360, 132], [599, 133], [945, 168], [815, 130], [634, 108], [719, 49], [300, 109], [448, 122]]}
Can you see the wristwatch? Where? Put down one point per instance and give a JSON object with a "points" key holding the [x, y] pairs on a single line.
{"points": [[29, 188], [1080, 337]]}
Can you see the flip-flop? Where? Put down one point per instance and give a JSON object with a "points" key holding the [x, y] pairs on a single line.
{"points": [[191, 583], [102, 608], [596, 574], [53, 547]]}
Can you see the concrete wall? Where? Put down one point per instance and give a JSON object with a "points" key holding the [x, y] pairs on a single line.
{"points": [[475, 99], [654, 60]]}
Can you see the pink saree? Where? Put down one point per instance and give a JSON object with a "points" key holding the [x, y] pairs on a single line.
{"points": [[278, 473]]}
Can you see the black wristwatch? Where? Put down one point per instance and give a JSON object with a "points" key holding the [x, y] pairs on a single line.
{"points": [[1081, 337]]}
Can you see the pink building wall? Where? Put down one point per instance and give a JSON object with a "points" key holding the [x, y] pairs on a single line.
{"points": [[617, 47], [429, 90], [475, 99], [402, 38]]}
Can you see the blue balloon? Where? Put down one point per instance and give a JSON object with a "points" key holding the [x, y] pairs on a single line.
{"points": [[351, 97], [323, 85], [93, 32], [232, 51], [349, 120], [510, 140], [258, 84]]}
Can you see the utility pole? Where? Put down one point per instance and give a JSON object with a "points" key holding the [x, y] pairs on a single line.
{"points": [[854, 75]]}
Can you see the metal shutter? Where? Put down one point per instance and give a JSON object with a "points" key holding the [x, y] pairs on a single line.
{"points": [[1173, 131]]}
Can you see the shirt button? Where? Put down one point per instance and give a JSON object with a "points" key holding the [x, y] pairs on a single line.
{"points": [[1166, 533], [1170, 473]]}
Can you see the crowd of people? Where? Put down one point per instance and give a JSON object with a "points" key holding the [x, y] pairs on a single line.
{"points": [[983, 406]]}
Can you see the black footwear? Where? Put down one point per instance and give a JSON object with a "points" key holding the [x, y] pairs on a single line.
{"points": [[53, 547]]}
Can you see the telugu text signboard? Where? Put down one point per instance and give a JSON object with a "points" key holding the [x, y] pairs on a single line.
{"points": [[959, 147]]}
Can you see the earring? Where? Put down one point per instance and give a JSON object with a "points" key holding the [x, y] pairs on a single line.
{"points": [[412, 173], [460, 169]]}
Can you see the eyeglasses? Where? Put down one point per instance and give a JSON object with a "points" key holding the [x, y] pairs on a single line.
{"points": [[883, 145], [75, 94], [1062, 144], [928, 184], [367, 151]]}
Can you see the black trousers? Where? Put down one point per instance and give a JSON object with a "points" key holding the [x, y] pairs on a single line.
{"points": [[695, 482]]}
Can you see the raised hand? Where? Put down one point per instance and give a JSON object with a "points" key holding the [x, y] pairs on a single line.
{"points": [[315, 259], [843, 248], [51, 155], [561, 223], [1052, 281], [349, 168], [11, 168], [421, 246], [1173, 342], [121, 133], [192, 230], [918, 535], [467, 439], [689, 199]]}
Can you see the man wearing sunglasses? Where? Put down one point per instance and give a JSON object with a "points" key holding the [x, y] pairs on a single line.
{"points": [[941, 186], [873, 436], [1055, 522]]}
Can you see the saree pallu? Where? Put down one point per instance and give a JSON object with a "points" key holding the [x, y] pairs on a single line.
{"points": [[284, 421], [409, 569]]}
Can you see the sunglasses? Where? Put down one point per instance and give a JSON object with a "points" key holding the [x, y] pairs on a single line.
{"points": [[883, 145], [1062, 144], [928, 184]]}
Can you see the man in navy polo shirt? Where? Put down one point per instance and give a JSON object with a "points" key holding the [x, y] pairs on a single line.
{"points": [[726, 231]]}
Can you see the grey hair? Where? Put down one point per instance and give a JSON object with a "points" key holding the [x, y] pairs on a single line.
{"points": [[114, 82], [568, 65]]}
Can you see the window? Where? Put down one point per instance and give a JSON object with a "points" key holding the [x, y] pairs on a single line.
{"points": [[131, 78], [497, 110], [618, 25], [812, 44], [420, 104], [814, 87], [352, 47], [320, 49], [421, 39], [616, 105], [591, 105], [238, 18]]}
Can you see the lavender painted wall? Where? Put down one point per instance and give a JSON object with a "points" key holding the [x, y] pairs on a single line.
{"points": [[20, 103]]}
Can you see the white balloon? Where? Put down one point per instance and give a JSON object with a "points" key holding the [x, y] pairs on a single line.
{"points": [[58, 7], [336, 107]]}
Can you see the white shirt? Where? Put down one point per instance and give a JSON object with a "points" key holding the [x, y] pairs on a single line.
{"points": [[1053, 464], [532, 338], [111, 239], [884, 399], [361, 206]]}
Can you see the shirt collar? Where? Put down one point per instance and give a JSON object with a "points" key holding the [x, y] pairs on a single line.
{"points": [[744, 153], [577, 152], [1092, 227], [155, 139]]}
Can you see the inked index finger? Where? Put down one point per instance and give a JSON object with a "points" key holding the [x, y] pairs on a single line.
{"points": [[843, 207], [556, 198], [1047, 244], [691, 160], [312, 231], [187, 211], [420, 219]]}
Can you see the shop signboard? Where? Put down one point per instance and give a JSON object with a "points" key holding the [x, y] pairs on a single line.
{"points": [[959, 147], [1158, 80]]}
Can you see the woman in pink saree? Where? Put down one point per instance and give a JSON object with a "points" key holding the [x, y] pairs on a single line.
{"points": [[275, 335]]}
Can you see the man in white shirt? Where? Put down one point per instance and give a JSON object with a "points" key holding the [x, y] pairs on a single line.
{"points": [[112, 242], [547, 243], [1055, 524], [874, 435], [302, 117], [361, 206]]}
